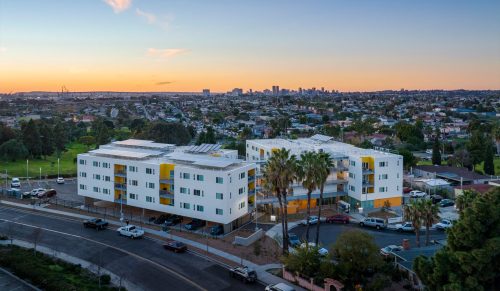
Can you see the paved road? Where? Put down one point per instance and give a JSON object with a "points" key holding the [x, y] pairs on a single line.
{"points": [[330, 232], [142, 262]]}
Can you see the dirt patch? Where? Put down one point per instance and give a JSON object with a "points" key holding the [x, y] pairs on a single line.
{"points": [[382, 214]]}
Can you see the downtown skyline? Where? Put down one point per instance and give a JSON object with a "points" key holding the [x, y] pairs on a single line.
{"points": [[140, 46]]}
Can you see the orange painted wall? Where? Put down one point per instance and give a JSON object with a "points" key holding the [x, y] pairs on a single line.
{"points": [[395, 201]]}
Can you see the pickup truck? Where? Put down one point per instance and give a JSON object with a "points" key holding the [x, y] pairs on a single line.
{"points": [[130, 231], [407, 226], [96, 223], [245, 274]]}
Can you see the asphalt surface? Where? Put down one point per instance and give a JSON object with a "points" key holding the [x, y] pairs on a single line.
{"points": [[330, 232], [143, 262], [66, 191]]}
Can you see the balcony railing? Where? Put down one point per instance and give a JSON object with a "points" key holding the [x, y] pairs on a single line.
{"points": [[367, 171], [121, 201], [367, 184], [251, 192], [167, 181], [166, 194], [121, 173], [251, 179], [120, 186]]}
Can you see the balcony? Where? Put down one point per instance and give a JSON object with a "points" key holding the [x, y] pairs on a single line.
{"points": [[121, 201], [251, 192], [251, 179], [167, 181], [367, 171], [166, 194], [336, 182], [367, 184], [121, 174], [119, 186], [341, 168]]}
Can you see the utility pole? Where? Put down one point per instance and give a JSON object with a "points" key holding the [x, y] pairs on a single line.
{"points": [[27, 175], [58, 168]]}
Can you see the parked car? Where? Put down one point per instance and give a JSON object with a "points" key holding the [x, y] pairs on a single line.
{"points": [[36, 191], [15, 183], [444, 224], [195, 224], [407, 226], [161, 219], [446, 203], [417, 194], [96, 223], [47, 194], [60, 180], [130, 231], [279, 287], [293, 239], [245, 274], [386, 251], [173, 220], [378, 223], [216, 230], [339, 218], [312, 220], [322, 251], [175, 246], [436, 198]]}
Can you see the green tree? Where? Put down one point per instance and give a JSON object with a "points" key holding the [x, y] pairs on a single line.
{"points": [[6, 133], [207, 136], [413, 212], [60, 133], [305, 261], [489, 155], [47, 139], [357, 255], [87, 140], [430, 216], [436, 150], [278, 173], [324, 165], [465, 200], [471, 258], [409, 160], [306, 173], [475, 147], [13, 150], [31, 138], [172, 133]]}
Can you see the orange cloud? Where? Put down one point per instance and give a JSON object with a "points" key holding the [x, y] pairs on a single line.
{"points": [[119, 5], [165, 53]]}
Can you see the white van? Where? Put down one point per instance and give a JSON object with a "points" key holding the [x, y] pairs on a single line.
{"points": [[280, 287]]}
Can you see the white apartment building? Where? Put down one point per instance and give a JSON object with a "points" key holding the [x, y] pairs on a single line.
{"points": [[362, 177], [203, 182]]}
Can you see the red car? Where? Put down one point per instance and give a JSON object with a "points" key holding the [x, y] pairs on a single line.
{"points": [[340, 218], [176, 246]]}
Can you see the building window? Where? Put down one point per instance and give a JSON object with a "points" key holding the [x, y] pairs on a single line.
{"points": [[219, 211], [134, 196], [150, 199], [132, 168], [107, 178], [383, 177], [196, 192], [97, 177], [105, 191], [150, 171], [199, 208], [83, 162], [382, 189], [186, 176], [242, 175], [219, 180], [398, 175], [199, 177], [185, 205], [150, 185], [241, 205], [352, 163], [106, 165], [83, 174], [96, 164], [83, 187], [382, 164], [351, 175], [351, 187], [183, 190], [219, 196], [241, 190], [134, 182], [96, 189]]}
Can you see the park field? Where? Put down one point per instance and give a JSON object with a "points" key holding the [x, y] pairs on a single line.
{"points": [[48, 165], [479, 167]]}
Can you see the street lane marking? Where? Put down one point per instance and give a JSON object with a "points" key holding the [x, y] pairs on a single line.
{"points": [[182, 277]]}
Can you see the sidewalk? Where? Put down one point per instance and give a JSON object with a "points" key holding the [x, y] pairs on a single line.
{"points": [[263, 276]]}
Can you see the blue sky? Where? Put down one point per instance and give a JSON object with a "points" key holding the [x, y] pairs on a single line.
{"points": [[132, 45]]}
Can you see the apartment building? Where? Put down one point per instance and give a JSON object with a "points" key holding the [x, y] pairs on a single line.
{"points": [[363, 178], [203, 182]]}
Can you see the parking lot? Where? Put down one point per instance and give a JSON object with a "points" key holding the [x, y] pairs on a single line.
{"points": [[66, 191]]}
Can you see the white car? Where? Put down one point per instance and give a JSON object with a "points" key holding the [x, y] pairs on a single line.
{"points": [[15, 183], [312, 220], [444, 224], [322, 251], [37, 191], [386, 251], [130, 231], [279, 287], [417, 194], [60, 180], [407, 226]]}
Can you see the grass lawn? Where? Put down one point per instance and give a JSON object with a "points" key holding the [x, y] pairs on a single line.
{"points": [[479, 167], [49, 165]]}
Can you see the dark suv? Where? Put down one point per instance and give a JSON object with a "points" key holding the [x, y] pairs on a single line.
{"points": [[172, 220], [195, 224]]}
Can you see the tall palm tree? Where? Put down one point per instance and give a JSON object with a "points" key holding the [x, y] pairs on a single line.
{"points": [[413, 213], [324, 164], [306, 172], [465, 200], [279, 173], [430, 215]]}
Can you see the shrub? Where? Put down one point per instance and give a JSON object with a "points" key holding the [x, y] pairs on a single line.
{"points": [[105, 279]]}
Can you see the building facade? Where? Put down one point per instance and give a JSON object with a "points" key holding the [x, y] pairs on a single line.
{"points": [[362, 177], [203, 182]]}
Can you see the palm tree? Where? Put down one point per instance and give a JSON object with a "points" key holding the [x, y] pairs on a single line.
{"points": [[279, 173], [413, 213], [306, 172], [324, 164], [430, 215], [465, 200]]}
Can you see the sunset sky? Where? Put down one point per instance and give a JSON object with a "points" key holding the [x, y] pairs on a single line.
{"points": [[188, 45]]}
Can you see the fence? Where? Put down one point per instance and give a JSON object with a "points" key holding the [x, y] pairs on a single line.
{"points": [[246, 241]]}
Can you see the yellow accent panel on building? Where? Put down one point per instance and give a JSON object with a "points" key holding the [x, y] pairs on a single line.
{"points": [[301, 204], [120, 168], [394, 201], [251, 185], [117, 194], [251, 172], [119, 180], [165, 170], [164, 201]]}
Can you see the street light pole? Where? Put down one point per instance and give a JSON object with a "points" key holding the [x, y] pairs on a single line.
{"points": [[40, 180], [58, 168], [27, 167]]}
